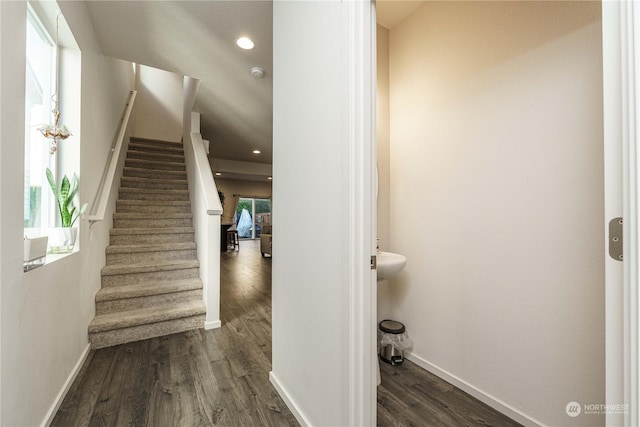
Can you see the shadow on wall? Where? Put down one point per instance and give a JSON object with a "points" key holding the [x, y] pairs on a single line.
{"points": [[518, 30], [159, 104]]}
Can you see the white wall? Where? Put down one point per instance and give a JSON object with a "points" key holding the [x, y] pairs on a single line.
{"points": [[45, 313], [307, 295], [382, 135], [245, 188], [383, 161], [314, 268], [497, 199], [159, 104], [233, 169]]}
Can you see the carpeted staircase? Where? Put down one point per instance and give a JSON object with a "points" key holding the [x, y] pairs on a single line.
{"points": [[151, 284]]}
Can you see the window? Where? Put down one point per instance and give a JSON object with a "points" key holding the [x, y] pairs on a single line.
{"points": [[40, 83], [253, 217], [45, 85]]}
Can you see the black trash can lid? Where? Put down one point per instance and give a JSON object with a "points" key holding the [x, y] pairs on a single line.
{"points": [[391, 327]]}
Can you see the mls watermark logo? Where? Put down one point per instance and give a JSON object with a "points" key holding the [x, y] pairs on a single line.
{"points": [[573, 409]]}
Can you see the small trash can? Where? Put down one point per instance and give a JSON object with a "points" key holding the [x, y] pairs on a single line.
{"points": [[392, 341]]}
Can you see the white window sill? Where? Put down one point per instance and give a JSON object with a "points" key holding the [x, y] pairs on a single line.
{"points": [[49, 259]]}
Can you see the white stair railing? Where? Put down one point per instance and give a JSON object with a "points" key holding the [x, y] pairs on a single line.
{"points": [[205, 204], [101, 200], [206, 209]]}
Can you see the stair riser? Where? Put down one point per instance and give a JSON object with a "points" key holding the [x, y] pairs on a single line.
{"points": [[151, 223], [141, 195], [154, 174], [123, 208], [144, 164], [155, 157], [136, 333], [157, 144], [155, 185], [142, 239], [137, 278], [137, 257], [156, 149], [106, 307]]}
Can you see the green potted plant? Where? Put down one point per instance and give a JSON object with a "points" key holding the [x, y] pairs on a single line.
{"points": [[69, 214]]}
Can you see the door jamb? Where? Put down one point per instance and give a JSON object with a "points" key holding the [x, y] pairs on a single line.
{"points": [[621, 59], [359, 108]]}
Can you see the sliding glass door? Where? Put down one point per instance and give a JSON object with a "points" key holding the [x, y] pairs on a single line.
{"points": [[253, 217]]}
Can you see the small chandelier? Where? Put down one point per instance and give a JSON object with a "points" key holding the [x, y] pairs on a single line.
{"points": [[53, 132]]}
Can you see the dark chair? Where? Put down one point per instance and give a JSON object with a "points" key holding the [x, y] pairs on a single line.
{"points": [[233, 241]]}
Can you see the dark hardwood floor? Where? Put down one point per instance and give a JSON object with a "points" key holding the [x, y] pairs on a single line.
{"points": [[220, 377], [411, 396], [198, 378]]}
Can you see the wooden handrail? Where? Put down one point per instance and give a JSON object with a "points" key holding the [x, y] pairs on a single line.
{"points": [[99, 206]]}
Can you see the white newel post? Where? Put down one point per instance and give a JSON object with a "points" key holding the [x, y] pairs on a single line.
{"points": [[206, 208]]}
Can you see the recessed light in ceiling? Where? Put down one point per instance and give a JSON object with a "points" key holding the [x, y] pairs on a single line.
{"points": [[269, 178], [245, 43], [256, 151], [218, 174]]}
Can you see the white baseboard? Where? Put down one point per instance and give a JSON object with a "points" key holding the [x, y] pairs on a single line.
{"points": [[286, 397], [48, 419], [486, 398], [215, 324]]}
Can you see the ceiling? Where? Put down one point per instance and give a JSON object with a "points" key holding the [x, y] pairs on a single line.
{"points": [[389, 13], [197, 39]]}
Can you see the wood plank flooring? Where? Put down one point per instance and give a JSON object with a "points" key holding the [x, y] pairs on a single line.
{"points": [[411, 396], [196, 378], [220, 377]]}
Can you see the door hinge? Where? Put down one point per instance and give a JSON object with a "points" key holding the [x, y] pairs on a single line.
{"points": [[374, 262], [615, 239]]}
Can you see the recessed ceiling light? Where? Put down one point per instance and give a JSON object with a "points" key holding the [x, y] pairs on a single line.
{"points": [[245, 43], [269, 178], [256, 151], [218, 174]]}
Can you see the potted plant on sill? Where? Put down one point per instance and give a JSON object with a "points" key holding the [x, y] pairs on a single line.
{"points": [[63, 238]]}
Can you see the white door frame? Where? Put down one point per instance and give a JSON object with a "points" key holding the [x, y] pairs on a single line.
{"points": [[621, 76], [359, 24]]}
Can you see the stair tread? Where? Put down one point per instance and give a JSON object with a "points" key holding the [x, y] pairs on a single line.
{"points": [[127, 249], [147, 289], [134, 146], [139, 202], [152, 190], [149, 267], [155, 161], [154, 180], [142, 272], [154, 230], [144, 316], [149, 140], [149, 170], [163, 156], [135, 140], [152, 215]]}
